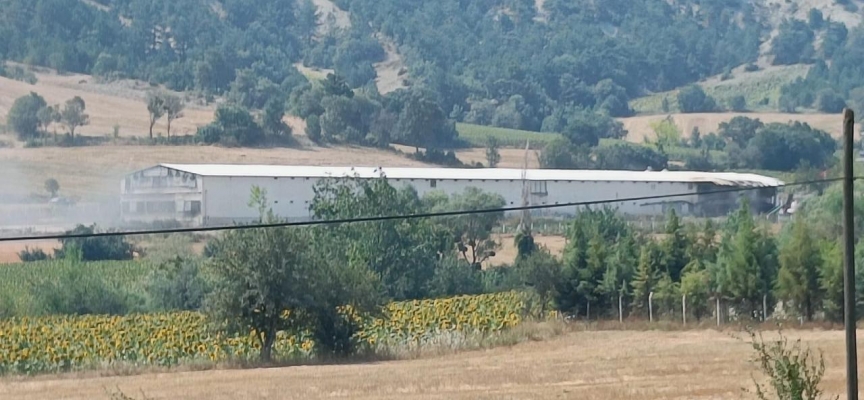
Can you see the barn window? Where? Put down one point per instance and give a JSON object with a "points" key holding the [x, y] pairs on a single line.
{"points": [[539, 187], [433, 183], [191, 208], [160, 206]]}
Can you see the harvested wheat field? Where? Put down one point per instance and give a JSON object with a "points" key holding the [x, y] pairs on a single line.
{"points": [[97, 170], [9, 250], [510, 158], [584, 365], [639, 127], [507, 253]]}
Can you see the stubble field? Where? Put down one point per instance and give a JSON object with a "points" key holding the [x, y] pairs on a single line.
{"points": [[607, 365]]}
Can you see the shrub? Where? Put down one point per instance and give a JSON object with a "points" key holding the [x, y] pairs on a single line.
{"points": [[177, 286], [313, 128], [31, 255], [455, 277], [94, 248], [738, 103], [81, 294], [793, 372], [692, 99]]}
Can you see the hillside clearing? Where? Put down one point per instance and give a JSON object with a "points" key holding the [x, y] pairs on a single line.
{"points": [[390, 71], [606, 365], [639, 127], [761, 89]]}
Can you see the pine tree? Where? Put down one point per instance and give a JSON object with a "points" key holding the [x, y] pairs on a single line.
{"points": [[696, 285], [591, 276], [675, 247], [746, 261], [645, 280], [566, 294], [667, 295], [831, 281], [800, 266], [620, 271]]}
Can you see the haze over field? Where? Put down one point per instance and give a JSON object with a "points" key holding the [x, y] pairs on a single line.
{"points": [[464, 305]]}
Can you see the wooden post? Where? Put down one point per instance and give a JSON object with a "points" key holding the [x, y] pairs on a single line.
{"points": [[849, 255], [651, 307], [684, 309], [718, 310], [620, 308]]}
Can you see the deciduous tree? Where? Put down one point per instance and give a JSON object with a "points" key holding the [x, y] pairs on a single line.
{"points": [[174, 107], [73, 115], [23, 117], [156, 108]]}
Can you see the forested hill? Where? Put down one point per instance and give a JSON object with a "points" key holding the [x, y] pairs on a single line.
{"points": [[512, 63]]}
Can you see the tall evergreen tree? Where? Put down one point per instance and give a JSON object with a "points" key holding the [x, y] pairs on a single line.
{"points": [[747, 262], [645, 280], [831, 281], [800, 266], [620, 271], [675, 247], [591, 276]]}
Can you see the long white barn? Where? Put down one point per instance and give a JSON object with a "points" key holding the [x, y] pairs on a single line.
{"points": [[214, 194]]}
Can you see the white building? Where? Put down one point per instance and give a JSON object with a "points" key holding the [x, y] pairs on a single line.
{"points": [[211, 194]]}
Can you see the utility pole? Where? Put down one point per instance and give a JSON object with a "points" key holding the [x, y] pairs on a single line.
{"points": [[848, 255]]}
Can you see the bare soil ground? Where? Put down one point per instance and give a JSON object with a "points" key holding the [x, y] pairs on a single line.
{"points": [[604, 365], [640, 127]]}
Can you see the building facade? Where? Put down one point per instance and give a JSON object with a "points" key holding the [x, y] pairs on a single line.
{"points": [[218, 194]]}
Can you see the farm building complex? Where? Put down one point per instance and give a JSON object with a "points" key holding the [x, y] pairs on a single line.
{"points": [[209, 194]]}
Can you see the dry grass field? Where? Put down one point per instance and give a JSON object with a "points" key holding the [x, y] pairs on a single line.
{"points": [[97, 170], [639, 127], [507, 253], [121, 102], [9, 250], [602, 365]]}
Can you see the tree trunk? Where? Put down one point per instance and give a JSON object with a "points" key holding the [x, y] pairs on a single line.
{"points": [[267, 346], [151, 129], [169, 128]]}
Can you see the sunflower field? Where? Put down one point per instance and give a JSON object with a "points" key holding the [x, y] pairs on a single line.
{"points": [[65, 343]]}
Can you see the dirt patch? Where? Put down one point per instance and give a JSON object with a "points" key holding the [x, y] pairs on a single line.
{"points": [[607, 365]]}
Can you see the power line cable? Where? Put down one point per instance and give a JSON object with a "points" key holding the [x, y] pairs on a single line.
{"points": [[399, 217]]}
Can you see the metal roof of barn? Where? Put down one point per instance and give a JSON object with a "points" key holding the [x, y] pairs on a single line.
{"points": [[296, 171]]}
